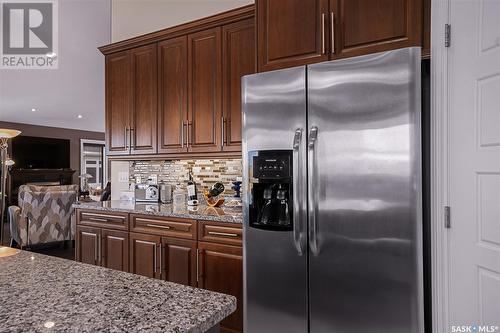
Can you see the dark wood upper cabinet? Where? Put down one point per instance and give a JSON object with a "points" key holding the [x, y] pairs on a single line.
{"points": [[176, 92], [238, 59], [172, 82], [144, 255], [118, 101], [298, 32], [114, 249], [87, 245], [179, 261], [369, 26], [291, 33], [426, 29], [221, 270], [204, 91], [143, 120]]}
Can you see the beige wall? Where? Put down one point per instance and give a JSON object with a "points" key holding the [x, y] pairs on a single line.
{"points": [[132, 18], [58, 133]]}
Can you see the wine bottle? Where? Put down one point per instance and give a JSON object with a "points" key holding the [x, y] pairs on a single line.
{"points": [[216, 189], [191, 189]]}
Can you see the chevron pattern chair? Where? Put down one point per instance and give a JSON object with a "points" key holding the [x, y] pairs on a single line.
{"points": [[44, 214]]}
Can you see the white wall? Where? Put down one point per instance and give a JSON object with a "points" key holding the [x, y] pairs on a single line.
{"points": [[132, 18], [119, 178]]}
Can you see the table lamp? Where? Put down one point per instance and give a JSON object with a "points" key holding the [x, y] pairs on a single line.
{"points": [[5, 135]]}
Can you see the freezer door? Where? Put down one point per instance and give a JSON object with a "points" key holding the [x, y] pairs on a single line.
{"points": [[275, 283], [364, 182]]}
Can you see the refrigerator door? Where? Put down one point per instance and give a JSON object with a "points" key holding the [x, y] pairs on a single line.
{"points": [[364, 182], [275, 283]]}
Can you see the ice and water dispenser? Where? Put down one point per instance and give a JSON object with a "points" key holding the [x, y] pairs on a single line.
{"points": [[270, 202]]}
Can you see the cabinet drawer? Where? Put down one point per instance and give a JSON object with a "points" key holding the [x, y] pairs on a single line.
{"points": [[224, 233], [118, 221], [172, 227]]}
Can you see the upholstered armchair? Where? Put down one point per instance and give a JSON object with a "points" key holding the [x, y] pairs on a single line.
{"points": [[44, 214]]}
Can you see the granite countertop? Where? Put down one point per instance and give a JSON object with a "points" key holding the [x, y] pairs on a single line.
{"points": [[39, 293], [200, 212]]}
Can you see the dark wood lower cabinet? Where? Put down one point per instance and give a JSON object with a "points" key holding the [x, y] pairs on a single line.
{"points": [[87, 245], [179, 261], [202, 254], [114, 249], [102, 247], [144, 255], [221, 270]]}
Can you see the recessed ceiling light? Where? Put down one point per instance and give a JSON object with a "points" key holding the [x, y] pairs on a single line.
{"points": [[80, 116], [33, 110]]}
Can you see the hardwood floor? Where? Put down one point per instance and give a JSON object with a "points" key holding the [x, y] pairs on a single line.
{"points": [[60, 250]]}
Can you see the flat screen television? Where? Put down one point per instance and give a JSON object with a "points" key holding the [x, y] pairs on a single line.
{"points": [[29, 152]]}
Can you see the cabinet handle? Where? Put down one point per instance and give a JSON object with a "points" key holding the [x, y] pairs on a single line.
{"points": [[187, 134], [155, 260], [95, 247], [98, 215], [99, 247], [132, 139], [332, 31], [182, 135], [126, 137], [222, 131], [323, 33], [190, 133], [158, 226], [161, 260], [197, 265], [225, 234], [95, 219]]}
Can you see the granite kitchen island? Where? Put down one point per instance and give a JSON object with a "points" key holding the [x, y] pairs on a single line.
{"points": [[39, 293]]}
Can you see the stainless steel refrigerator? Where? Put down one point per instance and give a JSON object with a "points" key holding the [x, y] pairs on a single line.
{"points": [[332, 204]]}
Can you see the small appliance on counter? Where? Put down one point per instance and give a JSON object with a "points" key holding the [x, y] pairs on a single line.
{"points": [[147, 193], [165, 193], [179, 196]]}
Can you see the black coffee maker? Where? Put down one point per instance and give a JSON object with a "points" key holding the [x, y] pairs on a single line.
{"points": [[271, 189]]}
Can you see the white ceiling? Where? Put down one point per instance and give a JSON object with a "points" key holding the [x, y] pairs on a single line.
{"points": [[77, 86], [137, 17]]}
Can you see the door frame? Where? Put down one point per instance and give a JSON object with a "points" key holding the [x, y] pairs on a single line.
{"points": [[439, 162], [104, 158]]}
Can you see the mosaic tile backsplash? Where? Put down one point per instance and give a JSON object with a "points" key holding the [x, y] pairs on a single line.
{"points": [[205, 172]]}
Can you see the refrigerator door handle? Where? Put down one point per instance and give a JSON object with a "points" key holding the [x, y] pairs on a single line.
{"points": [[297, 190], [311, 192]]}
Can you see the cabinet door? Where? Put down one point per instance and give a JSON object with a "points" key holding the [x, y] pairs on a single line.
{"points": [[238, 51], [118, 103], [221, 270], [114, 247], [88, 245], [143, 122], [369, 26], [179, 261], [291, 33], [204, 81], [426, 29], [172, 81], [144, 255]]}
